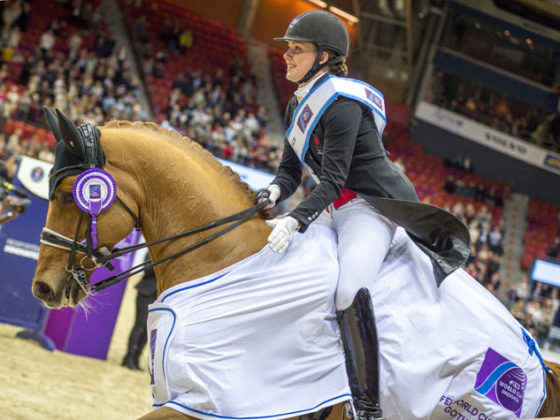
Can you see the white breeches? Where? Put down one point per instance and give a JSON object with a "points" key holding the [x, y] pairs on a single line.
{"points": [[364, 239]]}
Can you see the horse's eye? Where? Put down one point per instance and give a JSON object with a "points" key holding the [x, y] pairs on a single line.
{"points": [[66, 198]]}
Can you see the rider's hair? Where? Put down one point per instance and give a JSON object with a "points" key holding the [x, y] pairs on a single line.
{"points": [[338, 69]]}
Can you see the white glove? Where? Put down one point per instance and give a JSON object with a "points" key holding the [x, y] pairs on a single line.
{"points": [[270, 193], [283, 232]]}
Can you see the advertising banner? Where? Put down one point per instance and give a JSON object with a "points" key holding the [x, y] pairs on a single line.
{"points": [[488, 137]]}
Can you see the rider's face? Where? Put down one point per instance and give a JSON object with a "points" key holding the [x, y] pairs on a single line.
{"points": [[299, 59]]}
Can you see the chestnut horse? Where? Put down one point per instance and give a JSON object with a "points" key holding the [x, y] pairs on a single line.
{"points": [[170, 184]]}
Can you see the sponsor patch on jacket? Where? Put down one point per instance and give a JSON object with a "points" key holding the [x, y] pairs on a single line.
{"points": [[502, 381], [374, 98], [304, 118]]}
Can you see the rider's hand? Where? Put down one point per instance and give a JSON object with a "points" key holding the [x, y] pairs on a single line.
{"points": [[270, 193], [283, 232]]}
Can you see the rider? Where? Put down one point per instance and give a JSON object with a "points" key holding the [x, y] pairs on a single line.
{"points": [[333, 128]]}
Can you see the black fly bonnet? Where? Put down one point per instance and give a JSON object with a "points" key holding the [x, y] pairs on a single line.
{"points": [[78, 148]]}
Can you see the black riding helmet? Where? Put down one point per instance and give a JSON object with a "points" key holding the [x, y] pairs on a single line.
{"points": [[324, 30]]}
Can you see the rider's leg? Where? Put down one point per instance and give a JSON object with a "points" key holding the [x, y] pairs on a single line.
{"points": [[359, 334], [364, 238]]}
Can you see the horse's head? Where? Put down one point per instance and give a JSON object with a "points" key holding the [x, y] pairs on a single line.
{"points": [[70, 243]]}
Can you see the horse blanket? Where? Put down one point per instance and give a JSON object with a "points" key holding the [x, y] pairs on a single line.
{"points": [[453, 352], [256, 340], [260, 340]]}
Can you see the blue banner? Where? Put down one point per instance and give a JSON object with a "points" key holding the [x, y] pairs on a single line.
{"points": [[19, 249]]}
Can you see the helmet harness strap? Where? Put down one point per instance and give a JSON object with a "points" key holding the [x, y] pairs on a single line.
{"points": [[317, 66]]}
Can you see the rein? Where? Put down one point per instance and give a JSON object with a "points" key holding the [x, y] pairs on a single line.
{"points": [[239, 218], [102, 257]]}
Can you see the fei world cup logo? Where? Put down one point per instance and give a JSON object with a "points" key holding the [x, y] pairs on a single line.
{"points": [[502, 381]]}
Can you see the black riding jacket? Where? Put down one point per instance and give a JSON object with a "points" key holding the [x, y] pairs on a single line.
{"points": [[345, 151]]}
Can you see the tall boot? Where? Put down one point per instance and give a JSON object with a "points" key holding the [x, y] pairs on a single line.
{"points": [[359, 335], [136, 342]]}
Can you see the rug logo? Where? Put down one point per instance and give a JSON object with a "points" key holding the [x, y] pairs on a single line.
{"points": [[153, 339], [304, 118], [502, 381]]}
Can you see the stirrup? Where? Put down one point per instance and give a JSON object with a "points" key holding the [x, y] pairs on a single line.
{"points": [[364, 413], [370, 415]]}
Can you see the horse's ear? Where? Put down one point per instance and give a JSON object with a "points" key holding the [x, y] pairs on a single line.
{"points": [[70, 135], [52, 123]]}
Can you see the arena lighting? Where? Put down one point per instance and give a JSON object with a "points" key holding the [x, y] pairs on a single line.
{"points": [[342, 13], [319, 3]]}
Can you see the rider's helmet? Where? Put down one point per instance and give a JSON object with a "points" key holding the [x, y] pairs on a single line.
{"points": [[324, 30]]}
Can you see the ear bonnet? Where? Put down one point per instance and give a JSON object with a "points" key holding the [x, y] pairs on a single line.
{"points": [[78, 148]]}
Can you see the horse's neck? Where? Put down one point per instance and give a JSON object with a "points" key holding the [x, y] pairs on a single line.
{"points": [[190, 201]]}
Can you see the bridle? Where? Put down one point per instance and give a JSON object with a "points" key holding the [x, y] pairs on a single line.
{"points": [[103, 256]]}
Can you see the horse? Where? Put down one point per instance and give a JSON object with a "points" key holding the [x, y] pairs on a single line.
{"points": [[169, 183]]}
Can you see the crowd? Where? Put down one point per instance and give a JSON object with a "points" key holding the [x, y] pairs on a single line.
{"points": [[537, 307], [75, 67], [536, 61], [222, 117], [219, 109], [486, 243], [491, 108]]}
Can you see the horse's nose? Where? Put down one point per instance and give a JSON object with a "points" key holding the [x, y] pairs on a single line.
{"points": [[44, 292]]}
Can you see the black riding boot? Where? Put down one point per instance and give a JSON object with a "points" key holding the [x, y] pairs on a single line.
{"points": [[136, 342], [359, 334], [135, 346]]}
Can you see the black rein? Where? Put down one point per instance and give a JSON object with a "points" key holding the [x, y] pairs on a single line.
{"points": [[239, 218]]}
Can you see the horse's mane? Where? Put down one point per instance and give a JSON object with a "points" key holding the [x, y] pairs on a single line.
{"points": [[192, 145], [551, 405]]}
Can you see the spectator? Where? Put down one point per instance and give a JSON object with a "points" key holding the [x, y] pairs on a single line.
{"points": [[47, 41], [147, 293], [522, 290]]}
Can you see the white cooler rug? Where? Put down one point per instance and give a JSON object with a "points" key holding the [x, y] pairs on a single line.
{"points": [[260, 340]]}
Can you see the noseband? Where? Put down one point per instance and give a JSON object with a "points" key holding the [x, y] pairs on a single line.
{"points": [[102, 256]]}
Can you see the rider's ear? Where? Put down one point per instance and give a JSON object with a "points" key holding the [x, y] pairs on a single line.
{"points": [[52, 123], [70, 135]]}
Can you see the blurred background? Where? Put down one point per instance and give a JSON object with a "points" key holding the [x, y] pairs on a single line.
{"points": [[472, 92]]}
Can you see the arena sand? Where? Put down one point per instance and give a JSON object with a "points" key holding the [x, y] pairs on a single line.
{"points": [[39, 384]]}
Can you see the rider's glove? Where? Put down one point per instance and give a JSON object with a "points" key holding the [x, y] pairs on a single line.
{"points": [[283, 232], [270, 194]]}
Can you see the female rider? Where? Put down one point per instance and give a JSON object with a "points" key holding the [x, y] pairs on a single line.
{"points": [[333, 128]]}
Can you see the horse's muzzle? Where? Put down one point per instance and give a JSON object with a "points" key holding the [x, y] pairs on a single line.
{"points": [[69, 295]]}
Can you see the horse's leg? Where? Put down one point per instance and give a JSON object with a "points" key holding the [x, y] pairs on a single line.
{"points": [[336, 412], [166, 413], [551, 406]]}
